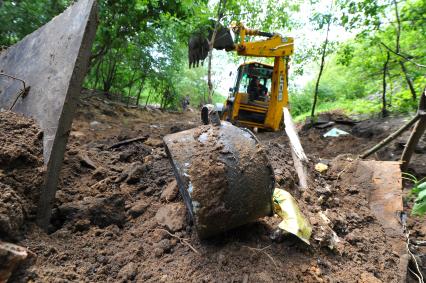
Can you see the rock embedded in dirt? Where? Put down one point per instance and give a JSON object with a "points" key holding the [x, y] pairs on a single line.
{"points": [[154, 142], [165, 245], [103, 211], [135, 172], [100, 174], [12, 212], [138, 208], [128, 272], [107, 211], [11, 256], [172, 216], [85, 161], [170, 192]]}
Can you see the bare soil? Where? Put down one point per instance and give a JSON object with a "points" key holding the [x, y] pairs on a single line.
{"points": [[21, 173], [110, 219]]}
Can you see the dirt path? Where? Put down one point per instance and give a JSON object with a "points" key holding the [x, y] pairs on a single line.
{"points": [[105, 223]]}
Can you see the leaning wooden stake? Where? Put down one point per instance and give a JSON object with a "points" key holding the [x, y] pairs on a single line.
{"points": [[391, 137], [299, 157], [416, 134]]}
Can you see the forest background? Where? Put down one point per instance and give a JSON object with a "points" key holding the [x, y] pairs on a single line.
{"points": [[363, 57]]}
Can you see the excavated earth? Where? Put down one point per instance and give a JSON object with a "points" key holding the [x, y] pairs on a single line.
{"points": [[119, 218]]}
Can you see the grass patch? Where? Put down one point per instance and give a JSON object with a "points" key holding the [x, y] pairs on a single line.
{"points": [[349, 107]]}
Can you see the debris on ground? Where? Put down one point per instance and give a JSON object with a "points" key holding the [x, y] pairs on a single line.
{"points": [[293, 221], [321, 167], [105, 228], [335, 132], [11, 256]]}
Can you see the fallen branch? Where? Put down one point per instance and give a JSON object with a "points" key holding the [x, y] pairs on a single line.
{"points": [[390, 138], [183, 241], [129, 141], [262, 250]]}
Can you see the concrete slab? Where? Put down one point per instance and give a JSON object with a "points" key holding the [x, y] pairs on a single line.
{"points": [[53, 61]]}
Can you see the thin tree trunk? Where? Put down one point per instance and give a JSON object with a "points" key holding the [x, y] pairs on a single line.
{"points": [[95, 85], [324, 50], [221, 6], [398, 51], [139, 93], [385, 71], [409, 81], [147, 99], [391, 89]]}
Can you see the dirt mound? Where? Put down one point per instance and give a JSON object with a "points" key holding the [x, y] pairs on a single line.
{"points": [[111, 223], [21, 172]]}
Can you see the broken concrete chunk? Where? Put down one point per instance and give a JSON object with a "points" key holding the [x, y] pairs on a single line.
{"points": [[173, 216], [170, 192]]}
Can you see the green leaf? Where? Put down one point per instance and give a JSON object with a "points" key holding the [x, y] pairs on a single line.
{"points": [[422, 186], [421, 196], [419, 208]]}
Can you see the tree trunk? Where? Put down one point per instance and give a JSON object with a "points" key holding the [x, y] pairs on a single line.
{"points": [[409, 81], [139, 93], [385, 71], [324, 51], [221, 6], [147, 99], [112, 67], [398, 51], [95, 85]]}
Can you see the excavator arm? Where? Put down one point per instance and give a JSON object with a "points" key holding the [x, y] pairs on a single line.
{"points": [[274, 45]]}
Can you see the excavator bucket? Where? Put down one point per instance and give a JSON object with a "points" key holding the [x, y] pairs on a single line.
{"points": [[223, 175], [198, 45]]}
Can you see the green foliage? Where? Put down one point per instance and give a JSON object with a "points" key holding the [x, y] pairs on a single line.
{"points": [[19, 18], [140, 48], [419, 192], [354, 73]]}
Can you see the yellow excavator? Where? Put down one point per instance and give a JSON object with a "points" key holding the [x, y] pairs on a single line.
{"points": [[260, 91], [221, 169]]}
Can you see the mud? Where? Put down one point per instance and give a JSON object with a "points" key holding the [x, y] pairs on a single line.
{"points": [[208, 178], [105, 228], [21, 172]]}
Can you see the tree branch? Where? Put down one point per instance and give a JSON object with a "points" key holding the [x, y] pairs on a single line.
{"points": [[402, 56]]}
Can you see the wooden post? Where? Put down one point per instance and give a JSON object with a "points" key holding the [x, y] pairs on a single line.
{"points": [[416, 134], [297, 152]]}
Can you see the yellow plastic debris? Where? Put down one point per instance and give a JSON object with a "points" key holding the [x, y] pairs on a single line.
{"points": [[294, 221], [321, 167]]}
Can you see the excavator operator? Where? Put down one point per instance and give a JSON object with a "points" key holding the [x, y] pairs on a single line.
{"points": [[256, 90]]}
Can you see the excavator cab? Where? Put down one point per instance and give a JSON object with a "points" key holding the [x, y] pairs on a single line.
{"points": [[258, 96], [248, 100]]}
